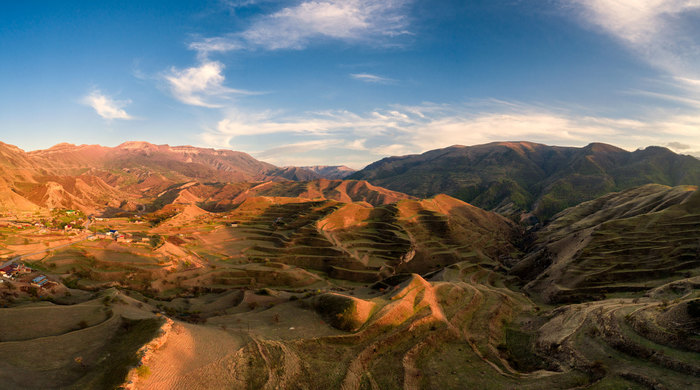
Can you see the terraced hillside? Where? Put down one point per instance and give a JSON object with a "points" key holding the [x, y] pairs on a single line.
{"points": [[305, 292], [462, 326], [280, 242], [645, 341], [631, 241]]}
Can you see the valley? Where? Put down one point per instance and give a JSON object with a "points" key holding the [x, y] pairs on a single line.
{"points": [[187, 268]]}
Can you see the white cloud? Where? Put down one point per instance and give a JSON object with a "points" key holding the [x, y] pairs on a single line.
{"points": [[663, 32], [106, 107], [371, 78], [297, 26], [198, 85], [402, 130]]}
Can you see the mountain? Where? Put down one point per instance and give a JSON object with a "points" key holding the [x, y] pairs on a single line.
{"points": [[92, 177], [295, 174], [134, 159], [516, 178], [331, 171], [15, 165]]}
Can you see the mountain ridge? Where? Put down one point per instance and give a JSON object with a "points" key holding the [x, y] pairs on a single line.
{"points": [[518, 178]]}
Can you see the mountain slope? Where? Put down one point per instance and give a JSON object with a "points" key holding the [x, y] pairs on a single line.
{"points": [[331, 172], [629, 241], [176, 162], [93, 177], [220, 197], [516, 177]]}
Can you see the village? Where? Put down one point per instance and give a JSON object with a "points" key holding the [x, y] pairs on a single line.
{"points": [[30, 237], [25, 277]]}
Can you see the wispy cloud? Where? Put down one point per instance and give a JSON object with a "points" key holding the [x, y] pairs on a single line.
{"points": [[107, 107], [682, 98], [371, 78], [297, 26], [678, 146], [236, 4], [213, 45], [296, 148], [412, 129], [199, 85], [663, 32], [686, 82]]}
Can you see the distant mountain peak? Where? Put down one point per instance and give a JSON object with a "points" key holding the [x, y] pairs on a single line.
{"points": [[599, 147], [136, 145], [330, 171]]}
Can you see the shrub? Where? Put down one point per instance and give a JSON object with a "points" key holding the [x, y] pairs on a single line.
{"points": [[143, 371]]}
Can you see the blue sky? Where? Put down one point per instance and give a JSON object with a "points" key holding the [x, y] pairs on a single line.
{"points": [[349, 82]]}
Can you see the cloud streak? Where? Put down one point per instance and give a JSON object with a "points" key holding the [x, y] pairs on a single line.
{"points": [[298, 26], [371, 78], [107, 107], [660, 31], [413, 129]]}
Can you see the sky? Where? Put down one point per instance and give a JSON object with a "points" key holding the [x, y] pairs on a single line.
{"points": [[348, 82]]}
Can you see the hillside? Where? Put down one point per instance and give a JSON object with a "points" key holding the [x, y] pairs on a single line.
{"points": [[521, 177], [340, 284], [217, 197], [631, 241]]}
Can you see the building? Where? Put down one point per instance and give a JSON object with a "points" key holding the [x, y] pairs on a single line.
{"points": [[39, 281], [14, 269]]}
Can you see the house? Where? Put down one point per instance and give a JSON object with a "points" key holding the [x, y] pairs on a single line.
{"points": [[23, 269], [12, 270], [39, 281], [6, 272], [123, 238]]}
